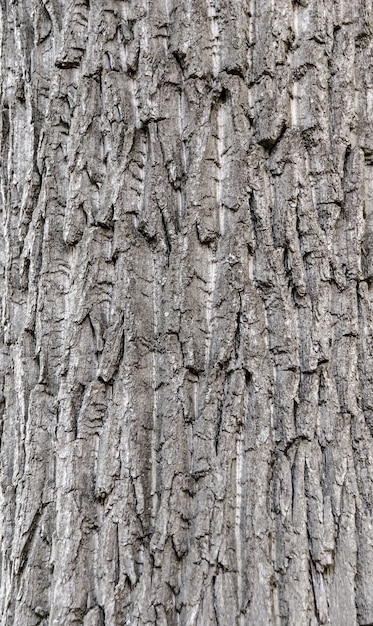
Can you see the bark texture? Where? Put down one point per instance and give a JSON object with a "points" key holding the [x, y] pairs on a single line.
{"points": [[187, 313]]}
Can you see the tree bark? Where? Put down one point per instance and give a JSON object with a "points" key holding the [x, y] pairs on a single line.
{"points": [[187, 313]]}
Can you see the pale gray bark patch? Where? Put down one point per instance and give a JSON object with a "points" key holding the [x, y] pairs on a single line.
{"points": [[186, 254]]}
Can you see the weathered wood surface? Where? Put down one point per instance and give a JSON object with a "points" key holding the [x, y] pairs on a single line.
{"points": [[187, 323]]}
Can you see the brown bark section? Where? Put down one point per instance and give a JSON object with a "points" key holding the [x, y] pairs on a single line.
{"points": [[187, 324]]}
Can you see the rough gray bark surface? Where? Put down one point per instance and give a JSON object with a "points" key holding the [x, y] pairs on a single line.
{"points": [[187, 323]]}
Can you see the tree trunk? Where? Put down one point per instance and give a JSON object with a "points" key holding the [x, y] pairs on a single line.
{"points": [[187, 315]]}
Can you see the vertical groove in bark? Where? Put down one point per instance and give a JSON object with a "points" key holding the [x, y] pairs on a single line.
{"points": [[186, 258]]}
